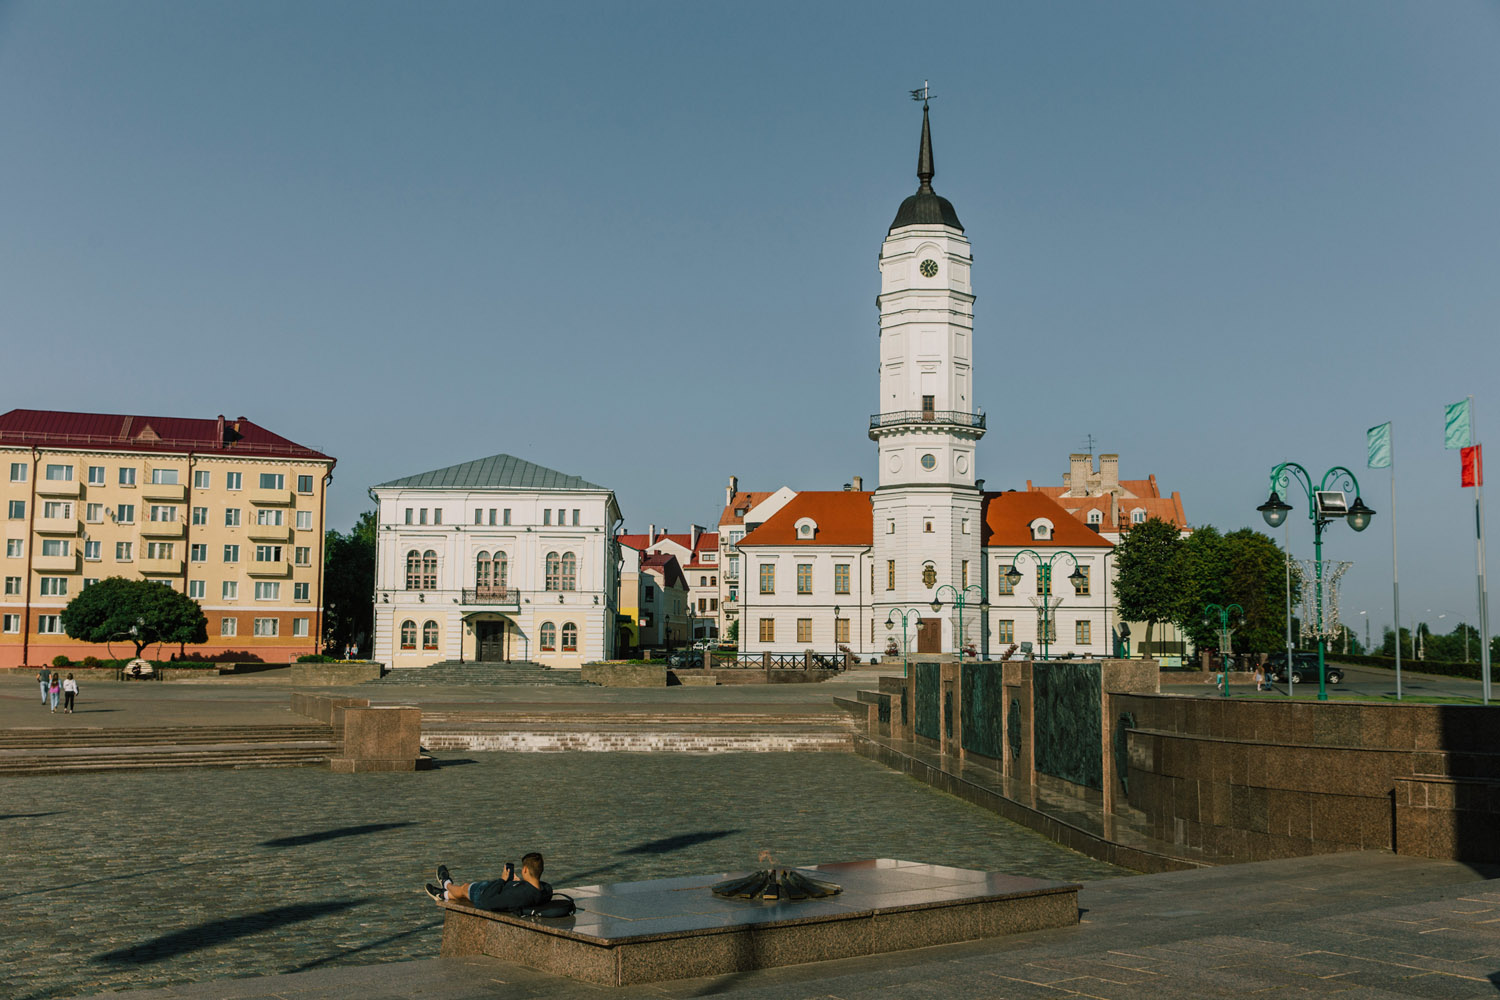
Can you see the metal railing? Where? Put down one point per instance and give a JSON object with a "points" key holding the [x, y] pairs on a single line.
{"points": [[897, 418], [64, 439], [783, 661], [490, 595]]}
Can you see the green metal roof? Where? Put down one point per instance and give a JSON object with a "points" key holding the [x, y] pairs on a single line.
{"points": [[495, 472]]}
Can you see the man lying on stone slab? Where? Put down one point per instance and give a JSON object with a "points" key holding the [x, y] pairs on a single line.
{"points": [[504, 893]]}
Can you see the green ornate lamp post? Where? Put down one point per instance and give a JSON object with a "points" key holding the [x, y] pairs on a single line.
{"points": [[959, 597], [1324, 505], [905, 614], [1076, 578], [1224, 630]]}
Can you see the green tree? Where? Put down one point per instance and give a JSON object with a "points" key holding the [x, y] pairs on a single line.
{"points": [[142, 611], [349, 585], [1256, 580], [1148, 567]]}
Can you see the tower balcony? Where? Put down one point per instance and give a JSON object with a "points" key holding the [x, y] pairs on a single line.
{"points": [[926, 419]]}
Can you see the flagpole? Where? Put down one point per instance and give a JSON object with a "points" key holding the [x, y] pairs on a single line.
{"points": [[1484, 609], [1395, 575]]}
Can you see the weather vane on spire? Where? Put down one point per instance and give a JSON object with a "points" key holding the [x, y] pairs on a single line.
{"points": [[923, 93]]}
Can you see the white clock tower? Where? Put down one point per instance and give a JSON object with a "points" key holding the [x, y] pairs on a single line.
{"points": [[927, 509]]}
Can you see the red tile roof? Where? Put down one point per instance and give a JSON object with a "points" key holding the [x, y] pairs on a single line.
{"points": [[667, 564], [843, 517], [1008, 517], [131, 432], [742, 501]]}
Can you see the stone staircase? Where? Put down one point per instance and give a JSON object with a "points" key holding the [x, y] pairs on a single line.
{"points": [[454, 673], [64, 751], [633, 731]]}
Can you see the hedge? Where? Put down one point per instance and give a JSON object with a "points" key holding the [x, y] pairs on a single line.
{"points": [[1440, 667]]}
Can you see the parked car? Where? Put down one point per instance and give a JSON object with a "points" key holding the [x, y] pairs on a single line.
{"points": [[1304, 668]]}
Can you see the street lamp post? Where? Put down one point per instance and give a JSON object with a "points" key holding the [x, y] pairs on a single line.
{"points": [[1324, 504], [959, 597], [1224, 630], [905, 616], [1076, 578]]}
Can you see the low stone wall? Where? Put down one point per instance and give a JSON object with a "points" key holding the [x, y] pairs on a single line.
{"points": [[334, 673], [380, 738], [1255, 779], [327, 709], [634, 675]]}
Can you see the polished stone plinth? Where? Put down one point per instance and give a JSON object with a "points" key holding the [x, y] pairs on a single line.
{"points": [[642, 932]]}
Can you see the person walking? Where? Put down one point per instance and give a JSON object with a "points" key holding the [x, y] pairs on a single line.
{"points": [[54, 689], [70, 692], [44, 678]]}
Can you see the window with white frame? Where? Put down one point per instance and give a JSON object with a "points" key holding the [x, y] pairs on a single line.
{"points": [[196, 589], [304, 484], [125, 513], [198, 552], [159, 550], [203, 479], [200, 515], [1138, 516], [15, 548], [231, 517], [89, 581], [300, 591], [267, 628], [93, 513], [12, 623], [163, 513], [234, 480], [267, 590], [93, 551], [304, 520], [123, 552], [272, 481], [229, 626], [303, 554], [49, 624], [231, 553], [127, 475], [299, 628], [269, 516], [59, 473], [18, 472], [230, 590], [57, 547], [96, 475], [268, 553], [164, 477], [12, 585], [16, 510]]}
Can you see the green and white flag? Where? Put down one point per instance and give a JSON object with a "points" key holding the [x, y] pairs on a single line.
{"points": [[1456, 425], [1379, 441]]}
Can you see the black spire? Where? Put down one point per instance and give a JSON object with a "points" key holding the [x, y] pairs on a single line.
{"points": [[925, 170], [926, 207]]}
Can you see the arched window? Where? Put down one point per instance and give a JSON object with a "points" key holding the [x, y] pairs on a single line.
{"points": [[570, 637], [713, 581], [554, 571], [549, 637], [429, 570], [569, 571], [482, 571], [429, 635], [413, 570], [408, 634], [489, 572], [501, 566]]}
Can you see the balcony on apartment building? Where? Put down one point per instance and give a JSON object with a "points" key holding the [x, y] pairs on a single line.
{"points": [[164, 491], [55, 564], [269, 568], [56, 525], [163, 529], [59, 488], [270, 532], [159, 567], [272, 498]]}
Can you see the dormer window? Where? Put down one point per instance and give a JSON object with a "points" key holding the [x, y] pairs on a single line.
{"points": [[1095, 517], [1138, 516], [806, 528], [1041, 530]]}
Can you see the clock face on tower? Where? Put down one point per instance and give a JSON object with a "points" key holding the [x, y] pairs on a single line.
{"points": [[929, 268]]}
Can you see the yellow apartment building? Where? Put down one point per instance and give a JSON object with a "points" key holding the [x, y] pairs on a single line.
{"points": [[222, 510]]}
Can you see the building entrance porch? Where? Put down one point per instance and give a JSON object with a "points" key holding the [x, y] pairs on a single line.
{"points": [[494, 640]]}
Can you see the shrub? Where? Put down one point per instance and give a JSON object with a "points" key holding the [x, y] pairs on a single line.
{"points": [[91, 663], [61, 660], [318, 658]]}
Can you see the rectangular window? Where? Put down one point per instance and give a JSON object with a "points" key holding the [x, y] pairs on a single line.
{"points": [[229, 626], [164, 477], [299, 591], [929, 404], [804, 630], [1005, 630], [12, 623], [268, 517], [272, 481], [507, 515], [16, 510], [768, 630], [122, 552], [234, 480], [648, 594], [1002, 583], [267, 628], [231, 553], [57, 547], [200, 515], [163, 513], [127, 476], [15, 548], [230, 590], [89, 581], [576, 512], [231, 517], [59, 473], [304, 520], [890, 574], [198, 552], [12, 585], [547, 515], [964, 574], [409, 515], [18, 472], [159, 550], [1083, 588], [49, 624], [493, 512], [125, 513], [768, 578], [422, 516], [299, 627], [561, 517], [54, 586], [196, 589], [1083, 633], [268, 553], [478, 516], [93, 551], [437, 517], [93, 513], [304, 484], [1043, 580], [963, 525], [890, 526], [841, 630], [96, 475], [267, 590], [804, 578], [303, 554], [203, 479], [841, 578]]}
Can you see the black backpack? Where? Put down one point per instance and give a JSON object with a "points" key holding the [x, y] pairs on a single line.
{"points": [[558, 904]]}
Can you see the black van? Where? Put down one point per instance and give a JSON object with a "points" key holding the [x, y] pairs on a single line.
{"points": [[1304, 668]]}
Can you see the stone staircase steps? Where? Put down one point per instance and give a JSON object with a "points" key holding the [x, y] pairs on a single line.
{"points": [[40, 764], [451, 672], [20, 739], [60, 750]]}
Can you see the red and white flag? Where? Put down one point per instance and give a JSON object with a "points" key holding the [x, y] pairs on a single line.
{"points": [[1473, 466]]}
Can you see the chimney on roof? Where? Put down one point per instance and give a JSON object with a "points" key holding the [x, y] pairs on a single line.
{"points": [[859, 484], [694, 531], [219, 432], [731, 490], [650, 535], [1079, 467], [1109, 472]]}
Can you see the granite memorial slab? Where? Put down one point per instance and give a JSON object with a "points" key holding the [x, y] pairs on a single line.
{"points": [[677, 928]]}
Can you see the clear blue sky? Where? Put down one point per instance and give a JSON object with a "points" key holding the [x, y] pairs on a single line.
{"points": [[637, 242]]}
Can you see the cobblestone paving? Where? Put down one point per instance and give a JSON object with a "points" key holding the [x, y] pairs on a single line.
{"points": [[116, 881]]}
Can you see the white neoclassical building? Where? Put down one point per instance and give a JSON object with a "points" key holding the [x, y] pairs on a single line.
{"points": [[495, 560]]}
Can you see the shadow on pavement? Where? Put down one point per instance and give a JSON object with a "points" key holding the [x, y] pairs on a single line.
{"points": [[677, 843], [334, 834], [344, 953], [3, 816], [217, 932]]}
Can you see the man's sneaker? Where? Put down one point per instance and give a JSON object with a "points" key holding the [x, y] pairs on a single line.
{"points": [[435, 892], [443, 877]]}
